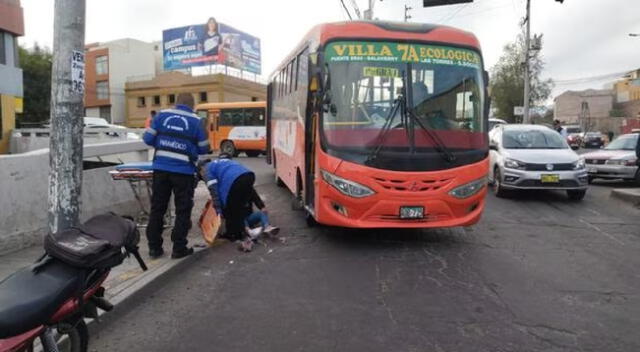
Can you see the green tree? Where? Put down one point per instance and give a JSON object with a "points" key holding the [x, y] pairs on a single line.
{"points": [[507, 79], [36, 71]]}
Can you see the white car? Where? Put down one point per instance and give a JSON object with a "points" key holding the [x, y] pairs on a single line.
{"points": [[495, 122], [98, 123], [534, 157], [617, 160]]}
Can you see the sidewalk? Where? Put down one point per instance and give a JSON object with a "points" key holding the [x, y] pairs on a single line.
{"points": [[127, 278], [630, 195]]}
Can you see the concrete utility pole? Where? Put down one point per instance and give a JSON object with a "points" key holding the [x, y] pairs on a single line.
{"points": [[67, 91], [407, 17], [527, 83]]}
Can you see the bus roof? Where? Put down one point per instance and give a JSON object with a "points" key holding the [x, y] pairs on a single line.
{"points": [[231, 105], [425, 32]]}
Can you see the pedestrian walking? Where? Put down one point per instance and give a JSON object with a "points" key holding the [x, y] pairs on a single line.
{"points": [[231, 187], [178, 138]]}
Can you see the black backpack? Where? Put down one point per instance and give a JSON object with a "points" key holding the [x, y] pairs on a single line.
{"points": [[102, 242]]}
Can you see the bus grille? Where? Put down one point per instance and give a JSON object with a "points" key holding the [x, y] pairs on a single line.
{"points": [[413, 185], [396, 218]]}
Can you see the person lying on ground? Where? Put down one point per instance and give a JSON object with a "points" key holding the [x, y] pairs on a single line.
{"points": [[231, 187]]}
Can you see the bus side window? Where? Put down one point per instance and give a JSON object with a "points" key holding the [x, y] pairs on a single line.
{"points": [[254, 117], [226, 118]]}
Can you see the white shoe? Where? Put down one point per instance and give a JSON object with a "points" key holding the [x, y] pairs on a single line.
{"points": [[272, 230], [254, 233]]}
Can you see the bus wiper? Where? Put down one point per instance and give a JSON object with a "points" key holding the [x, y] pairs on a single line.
{"points": [[398, 103], [438, 144]]}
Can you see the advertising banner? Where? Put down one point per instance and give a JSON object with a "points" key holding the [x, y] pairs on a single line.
{"points": [[211, 43]]}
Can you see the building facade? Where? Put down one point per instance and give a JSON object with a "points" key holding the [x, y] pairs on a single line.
{"points": [[108, 66], [160, 92], [11, 88], [627, 92], [590, 108]]}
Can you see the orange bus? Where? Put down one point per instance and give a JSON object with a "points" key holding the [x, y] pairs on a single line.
{"points": [[236, 127], [382, 125]]}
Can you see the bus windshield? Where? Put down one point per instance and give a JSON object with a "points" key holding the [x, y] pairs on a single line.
{"points": [[445, 94]]}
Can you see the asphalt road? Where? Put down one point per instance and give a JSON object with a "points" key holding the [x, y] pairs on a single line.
{"points": [[539, 273]]}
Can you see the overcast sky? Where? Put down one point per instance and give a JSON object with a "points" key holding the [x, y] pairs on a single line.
{"points": [[582, 38]]}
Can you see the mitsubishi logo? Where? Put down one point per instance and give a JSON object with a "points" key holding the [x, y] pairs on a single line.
{"points": [[549, 167], [414, 186]]}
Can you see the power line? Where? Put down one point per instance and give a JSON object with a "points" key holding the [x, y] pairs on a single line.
{"points": [[453, 14], [346, 9]]}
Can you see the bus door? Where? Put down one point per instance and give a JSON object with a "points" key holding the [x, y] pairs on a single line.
{"points": [[214, 128], [311, 125]]}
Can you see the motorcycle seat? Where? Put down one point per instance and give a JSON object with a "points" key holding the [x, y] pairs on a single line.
{"points": [[30, 298]]}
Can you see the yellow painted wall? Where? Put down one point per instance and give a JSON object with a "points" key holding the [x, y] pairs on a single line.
{"points": [[8, 121]]}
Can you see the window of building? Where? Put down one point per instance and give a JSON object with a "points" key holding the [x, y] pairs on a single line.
{"points": [[3, 54], [102, 90], [254, 98], [142, 102], [203, 97], [102, 65], [172, 98], [156, 100]]}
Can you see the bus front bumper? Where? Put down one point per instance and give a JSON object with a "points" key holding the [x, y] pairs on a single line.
{"points": [[383, 210]]}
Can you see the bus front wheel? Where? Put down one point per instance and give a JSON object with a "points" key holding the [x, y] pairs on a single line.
{"points": [[229, 148]]}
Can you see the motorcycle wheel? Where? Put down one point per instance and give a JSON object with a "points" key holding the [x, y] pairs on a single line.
{"points": [[72, 337]]}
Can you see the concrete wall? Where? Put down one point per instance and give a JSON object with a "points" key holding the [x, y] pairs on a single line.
{"points": [[23, 200]]}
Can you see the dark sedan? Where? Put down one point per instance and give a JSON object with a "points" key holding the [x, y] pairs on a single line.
{"points": [[593, 140]]}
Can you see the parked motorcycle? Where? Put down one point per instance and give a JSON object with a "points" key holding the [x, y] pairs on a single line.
{"points": [[49, 300]]}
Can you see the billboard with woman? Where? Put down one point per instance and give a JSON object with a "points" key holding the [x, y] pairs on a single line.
{"points": [[211, 43]]}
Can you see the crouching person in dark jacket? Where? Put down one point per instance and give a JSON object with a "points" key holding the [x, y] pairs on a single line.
{"points": [[231, 187], [178, 137]]}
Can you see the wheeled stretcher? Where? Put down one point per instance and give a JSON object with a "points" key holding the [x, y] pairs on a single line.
{"points": [[140, 178]]}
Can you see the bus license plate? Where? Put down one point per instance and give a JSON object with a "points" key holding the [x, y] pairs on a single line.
{"points": [[411, 212], [552, 178]]}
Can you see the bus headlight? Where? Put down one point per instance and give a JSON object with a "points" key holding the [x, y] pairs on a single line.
{"points": [[468, 189], [350, 188]]}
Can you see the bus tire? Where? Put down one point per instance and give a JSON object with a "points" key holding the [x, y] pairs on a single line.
{"points": [[229, 148], [311, 222], [253, 153]]}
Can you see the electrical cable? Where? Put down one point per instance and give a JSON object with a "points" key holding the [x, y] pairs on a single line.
{"points": [[346, 10]]}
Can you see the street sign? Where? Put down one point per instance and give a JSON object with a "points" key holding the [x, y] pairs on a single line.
{"points": [[430, 3], [77, 72], [518, 110]]}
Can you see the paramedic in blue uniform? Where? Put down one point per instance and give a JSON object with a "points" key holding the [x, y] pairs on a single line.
{"points": [[231, 187], [178, 137]]}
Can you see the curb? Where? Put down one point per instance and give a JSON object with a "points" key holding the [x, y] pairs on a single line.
{"points": [[628, 195], [128, 290]]}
